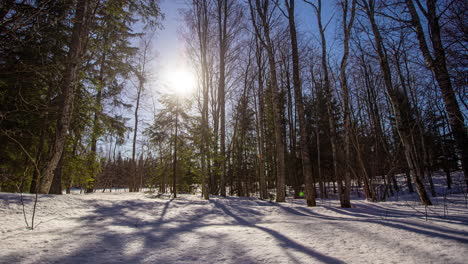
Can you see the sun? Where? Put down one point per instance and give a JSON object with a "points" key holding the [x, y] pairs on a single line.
{"points": [[180, 80]]}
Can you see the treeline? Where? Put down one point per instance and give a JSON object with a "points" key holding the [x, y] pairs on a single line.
{"points": [[375, 90], [280, 106]]}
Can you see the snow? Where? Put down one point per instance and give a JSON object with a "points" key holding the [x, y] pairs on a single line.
{"points": [[142, 228]]}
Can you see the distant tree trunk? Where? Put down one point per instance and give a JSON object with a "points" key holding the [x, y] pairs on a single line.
{"points": [[133, 176], [97, 115], [408, 180], [35, 176], [260, 117], [328, 101], [74, 58], [140, 71], [375, 124], [448, 177], [304, 147], [174, 168], [222, 28], [201, 13], [322, 185]]}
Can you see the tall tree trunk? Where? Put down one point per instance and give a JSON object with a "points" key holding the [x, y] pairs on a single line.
{"points": [[401, 109], [263, 11], [260, 122], [304, 149], [437, 62], [328, 99], [222, 28], [347, 26], [201, 12], [97, 115], [74, 58]]}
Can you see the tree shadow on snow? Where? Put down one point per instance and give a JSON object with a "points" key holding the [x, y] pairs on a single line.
{"points": [[136, 239], [286, 242], [136, 231], [392, 218]]}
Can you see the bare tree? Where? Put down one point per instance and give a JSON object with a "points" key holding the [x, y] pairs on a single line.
{"points": [[401, 108], [261, 12], [349, 12], [328, 97], [437, 62], [304, 149]]}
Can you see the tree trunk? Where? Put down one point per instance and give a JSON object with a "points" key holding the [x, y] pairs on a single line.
{"points": [[438, 64], [345, 201], [202, 32], [304, 149], [74, 58], [401, 110], [174, 164], [222, 28], [259, 116], [56, 187], [328, 101], [263, 12], [97, 115], [133, 176]]}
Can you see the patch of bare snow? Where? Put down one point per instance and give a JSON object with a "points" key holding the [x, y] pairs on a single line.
{"points": [[140, 228]]}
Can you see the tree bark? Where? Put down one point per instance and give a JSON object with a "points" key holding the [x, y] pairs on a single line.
{"points": [[74, 58], [304, 149], [56, 187]]}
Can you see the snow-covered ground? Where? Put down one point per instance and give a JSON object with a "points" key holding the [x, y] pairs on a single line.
{"points": [[140, 228]]}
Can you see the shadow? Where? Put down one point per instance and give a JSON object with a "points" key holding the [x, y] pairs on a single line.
{"points": [[383, 216], [148, 230], [286, 242], [140, 239]]}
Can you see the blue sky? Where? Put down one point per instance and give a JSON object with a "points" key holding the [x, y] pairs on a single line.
{"points": [[170, 47]]}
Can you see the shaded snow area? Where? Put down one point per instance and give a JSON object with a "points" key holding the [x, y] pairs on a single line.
{"points": [[140, 228]]}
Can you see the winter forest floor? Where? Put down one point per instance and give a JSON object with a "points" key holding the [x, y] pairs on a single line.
{"points": [[141, 228]]}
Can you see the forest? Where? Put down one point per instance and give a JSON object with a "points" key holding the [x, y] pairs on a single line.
{"points": [[233, 131], [375, 89]]}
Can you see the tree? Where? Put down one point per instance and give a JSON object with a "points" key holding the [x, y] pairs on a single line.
{"points": [[437, 62], [304, 150], [141, 72], [75, 56], [261, 12], [328, 97], [401, 108], [199, 16], [349, 12]]}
